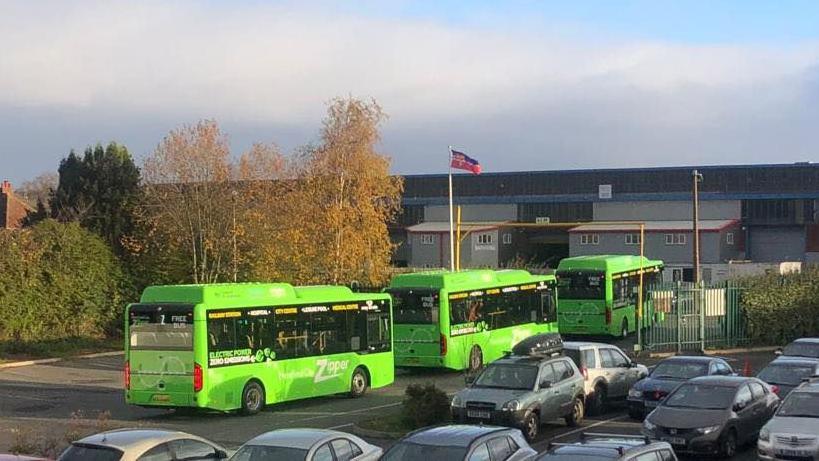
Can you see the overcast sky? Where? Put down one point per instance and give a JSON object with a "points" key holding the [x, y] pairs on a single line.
{"points": [[517, 85]]}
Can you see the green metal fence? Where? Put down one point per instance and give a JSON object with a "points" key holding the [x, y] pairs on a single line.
{"points": [[684, 317]]}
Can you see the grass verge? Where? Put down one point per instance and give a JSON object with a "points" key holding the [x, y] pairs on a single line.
{"points": [[12, 351]]}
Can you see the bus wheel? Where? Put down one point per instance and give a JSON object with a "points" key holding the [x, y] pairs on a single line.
{"points": [[252, 398], [359, 383], [475, 359], [624, 329]]}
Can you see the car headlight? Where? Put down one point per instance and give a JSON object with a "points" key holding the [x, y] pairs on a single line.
{"points": [[457, 402], [707, 430], [512, 405], [765, 434], [648, 426], [634, 393]]}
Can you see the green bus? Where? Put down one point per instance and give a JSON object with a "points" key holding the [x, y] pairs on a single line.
{"points": [[461, 320], [242, 346], [598, 294]]}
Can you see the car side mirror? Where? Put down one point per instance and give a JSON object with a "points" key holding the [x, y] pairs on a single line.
{"points": [[778, 351], [739, 406], [632, 364], [221, 454], [545, 384], [469, 379]]}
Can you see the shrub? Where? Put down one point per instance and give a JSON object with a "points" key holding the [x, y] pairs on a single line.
{"points": [[780, 308], [425, 406]]}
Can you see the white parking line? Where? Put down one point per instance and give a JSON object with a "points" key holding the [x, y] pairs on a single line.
{"points": [[581, 429], [335, 428]]}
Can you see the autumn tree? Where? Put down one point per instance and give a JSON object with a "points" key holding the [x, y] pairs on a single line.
{"points": [[337, 205], [38, 189], [197, 203]]}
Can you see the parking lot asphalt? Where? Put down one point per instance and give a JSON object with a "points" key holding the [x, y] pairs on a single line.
{"points": [[69, 396]]}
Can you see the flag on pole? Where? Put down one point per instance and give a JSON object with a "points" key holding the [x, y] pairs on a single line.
{"points": [[462, 161]]}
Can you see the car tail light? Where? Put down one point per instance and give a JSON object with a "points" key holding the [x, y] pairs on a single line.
{"points": [[126, 373], [585, 372], [608, 316], [197, 377], [775, 389], [443, 344]]}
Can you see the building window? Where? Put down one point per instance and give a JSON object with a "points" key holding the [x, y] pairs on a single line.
{"points": [[632, 239], [428, 239], [507, 239], [729, 238], [484, 239], [675, 239], [589, 239]]}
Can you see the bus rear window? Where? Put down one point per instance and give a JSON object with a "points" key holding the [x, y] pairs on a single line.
{"points": [[581, 285], [415, 306], [160, 327]]}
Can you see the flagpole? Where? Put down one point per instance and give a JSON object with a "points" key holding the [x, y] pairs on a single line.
{"points": [[451, 224]]}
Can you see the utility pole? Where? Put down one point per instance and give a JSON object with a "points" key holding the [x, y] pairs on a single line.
{"points": [[697, 177]]}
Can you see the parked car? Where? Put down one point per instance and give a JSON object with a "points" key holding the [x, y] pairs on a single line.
{"points": [[802, 347], [604, 447], [10, 457], [608, 373], [793, 433], [460, 443], [307, 445], [523, 391], [646, 394], [785, 373], [141, 444], [712, 414]]}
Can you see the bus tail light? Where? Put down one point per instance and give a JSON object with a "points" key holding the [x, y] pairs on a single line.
{"points": [[126, 374], [443, 344], [585, 372], [197, 377], [608, 316]]}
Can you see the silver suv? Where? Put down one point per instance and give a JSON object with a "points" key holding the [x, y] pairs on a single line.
{"points": [[614, 447], [523, 391], [793, 432], [607, 372]]}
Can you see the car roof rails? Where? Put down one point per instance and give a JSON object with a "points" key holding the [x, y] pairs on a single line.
{"points": [[586, 435], [620, 450]]}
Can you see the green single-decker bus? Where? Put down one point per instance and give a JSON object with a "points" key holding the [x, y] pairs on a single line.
{"points": [[599, 293], [242, 346], [461, 320]]}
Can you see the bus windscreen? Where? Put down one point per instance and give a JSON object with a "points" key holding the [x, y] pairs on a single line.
{"points": [[581, 285], [419, 307], [160, 327]]}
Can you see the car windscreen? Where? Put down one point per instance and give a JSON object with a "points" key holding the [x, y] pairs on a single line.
{"points": [[415, 307], [83, 452], [679, 370], [408, 451], [581, 285], [802, 350], [701, 396], [504, 376], [789, 375], [800, 405], [269, 453], [160, 327]]}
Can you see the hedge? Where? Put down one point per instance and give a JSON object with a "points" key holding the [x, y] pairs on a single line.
{"points": [[780, 308]]}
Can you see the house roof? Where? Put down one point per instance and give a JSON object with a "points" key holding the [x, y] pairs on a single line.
{"points": [[443, 226], [706, 225]]}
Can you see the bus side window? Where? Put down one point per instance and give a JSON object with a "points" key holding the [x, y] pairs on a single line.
{"points": [[548, 305]]}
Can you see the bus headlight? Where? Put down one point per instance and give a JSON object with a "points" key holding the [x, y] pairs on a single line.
{"points": [[457, 402], [512, 405]]}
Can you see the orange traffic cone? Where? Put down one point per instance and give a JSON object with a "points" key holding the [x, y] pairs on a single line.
{"points": [[746, 370]]}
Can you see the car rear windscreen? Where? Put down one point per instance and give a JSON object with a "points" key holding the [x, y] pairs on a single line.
{"points": [[90, 453]]}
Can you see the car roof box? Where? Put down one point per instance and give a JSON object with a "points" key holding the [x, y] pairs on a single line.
{"points": [[542, 345]]}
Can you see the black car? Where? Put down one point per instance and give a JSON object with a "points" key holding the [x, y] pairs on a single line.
{"points": [[786, 372], [458, 442], [802, 347], [712, 414], [646, 394]]}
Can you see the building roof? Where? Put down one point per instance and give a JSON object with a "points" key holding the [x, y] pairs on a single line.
{"points": [[706, 225], [442, 226]]}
